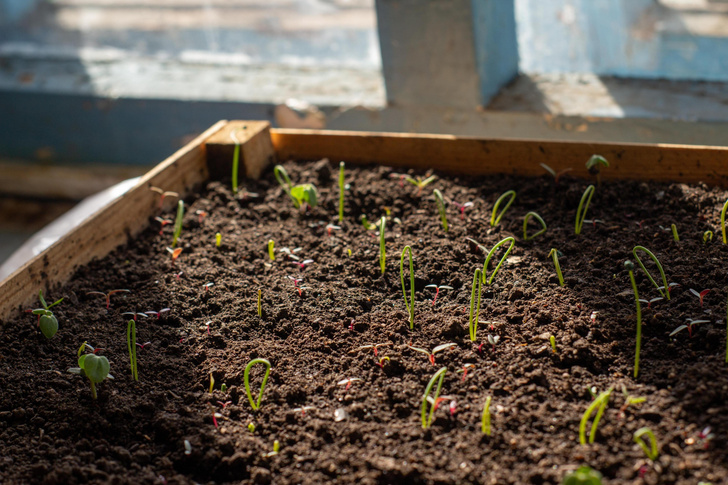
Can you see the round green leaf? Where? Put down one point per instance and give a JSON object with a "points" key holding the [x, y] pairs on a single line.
{"points": [[48, 325], [94, 366]]}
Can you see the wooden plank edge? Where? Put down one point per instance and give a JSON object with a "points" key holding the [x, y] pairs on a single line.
{"points": [[475, 156], [256, 149], [108, 228]]}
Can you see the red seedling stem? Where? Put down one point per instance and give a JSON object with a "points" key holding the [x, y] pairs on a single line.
{"points": [[108, 295], [461, 208], [201, 216], [162, 222], [224, 404], [163, 194], [382, 361]]}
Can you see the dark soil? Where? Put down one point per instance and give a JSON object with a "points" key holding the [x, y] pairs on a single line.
{"points": [[52, 432]]}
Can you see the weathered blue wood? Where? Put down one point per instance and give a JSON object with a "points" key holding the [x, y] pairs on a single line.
{"points": [[496, 46]]}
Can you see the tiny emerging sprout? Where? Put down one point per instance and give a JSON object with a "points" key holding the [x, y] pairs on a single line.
{"points": [[159, 313], [246, 380], [162, 223], [260, 305], [431, 355], [552, 340], [365, 222], [420, 183], [223, 389], [700, 295], [302, 264], [465, 370], [218, 239], [108, 295], [163, 194], [276, 449], [437, 290], [374, 347], [493, 340], [673, 227], [554, 254], [556, 175], [331, 228], [382, 361], [271, 249], [485, 418], [175, 253], [584, 475], [661, 289], [425, 417], [652, 451], [348, 382], [303, 410], [650, 302], [461, 208], [496, 217], [689, 326], [629, 401], [599, 404], [47, 321], [201, 215], [178, 222], [594, 165], [302, 195], [251, 427], [538, 218], [208, 285], [707, 236], [212, 382], [296, 281], [441, 208], [583, 207]]}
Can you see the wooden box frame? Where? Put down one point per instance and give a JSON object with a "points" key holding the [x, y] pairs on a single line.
{"points": [[210, 156]]}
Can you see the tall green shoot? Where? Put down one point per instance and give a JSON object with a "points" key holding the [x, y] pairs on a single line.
{"points": [[583, 207], [236, 161], [475, 305], [495, 216], [664, 289], [246, 380], [511, 241], [382, 249], [178, 222], [594, 164], [441, 208], [131, 346], [427, 419], [554, 255], [411, 304], [674, 233], [341, 191], [599, 404], [652, 452], [722, 221], [485, 418], [526, 237], [630, 267]]}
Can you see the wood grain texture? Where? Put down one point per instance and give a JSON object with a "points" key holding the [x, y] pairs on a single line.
{"points": [[256, 151], [113, 225], [473, 156]]}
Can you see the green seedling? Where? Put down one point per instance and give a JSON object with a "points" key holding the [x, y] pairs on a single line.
{"points": [[218, 239], [554, 255], [163, 194], [475, 305], [162, 222], [722, 221], [175, 253], [260, 304], [583, 207], [726, 333], [594, 165], [599, 404], [674, 233], [584, 475], [496, 217], [178, 222], [629, 401], [650, 302], [662, 289], [511, 242], [462, 207], [441, 208], [630, 268], [271, 249], [365, 222], [108, 295], [700, 294], [552, 340], [431, 355], [689, 326], [437, 290], [223, 389], [707, 236], [246, 379], [556, 175], [348, 382], [236, 160], [300, 194], [425, 417], [212, 380], [410, 305], [341, 191], [652, 451], [131, 347], [382, 249], [276, 449], [47, 321], [538, 218], [95, 367], [251, 427], [420, 183], [464, 371], [485, 418]]}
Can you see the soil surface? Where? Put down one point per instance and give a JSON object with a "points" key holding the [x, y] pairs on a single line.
{"points": [[169, 428]]}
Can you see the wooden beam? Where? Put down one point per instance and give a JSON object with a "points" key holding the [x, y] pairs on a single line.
{"points": [[256, 151], [110, 227], [474, 156]]}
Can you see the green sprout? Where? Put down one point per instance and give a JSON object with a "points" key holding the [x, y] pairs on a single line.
{"points": [[552, 339], [664, 289], [431, 355], [526, 237], [485, 418], [341, 191], [554, 254], [300, 194], [427, 419], [652, 452], [218, 239], [382, 249], [726, 332], [599, 404], [581, 210], [556, 175], [178, 222], [365, 222], [512, 243], [131, 346], [260, 305], [441, 207], [584, 475], [420, 183], [47, 321], [95, 367], [707, 236], [271, 249], [722, 221], [630, 267], [411, 304], [594, 164], [223, 388], [495, 216], [629, 401], [246, 379], [475, 305], [236, 160], [674, 233]]}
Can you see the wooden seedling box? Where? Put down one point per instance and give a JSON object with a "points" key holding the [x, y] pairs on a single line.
{"points": [[210, 156]]}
